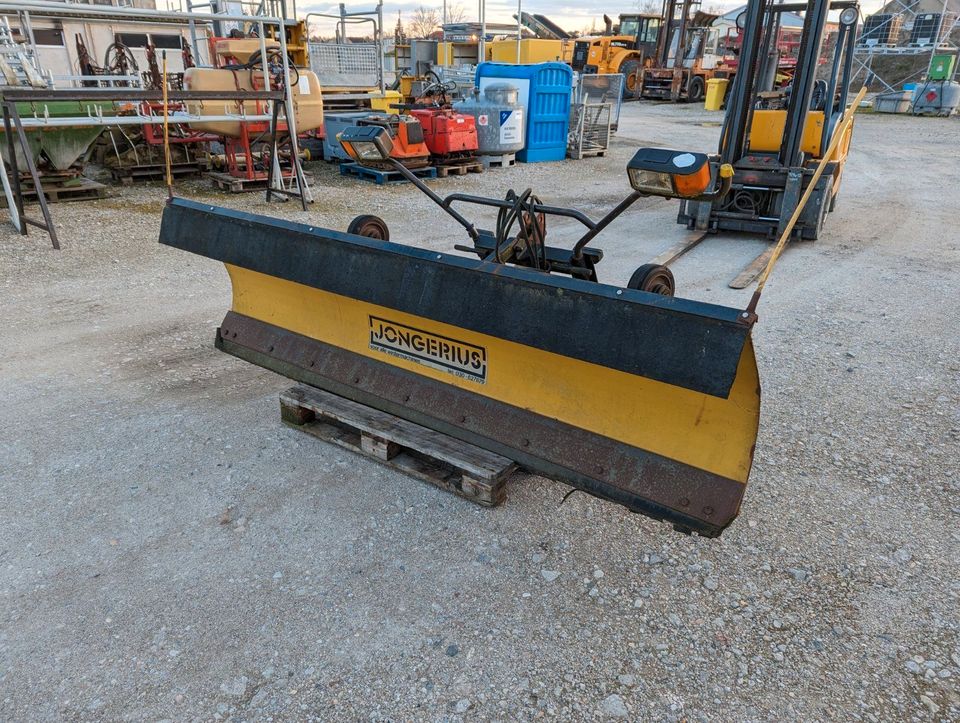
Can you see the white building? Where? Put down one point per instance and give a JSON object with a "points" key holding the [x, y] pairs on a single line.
{"points": [[55, 35]]}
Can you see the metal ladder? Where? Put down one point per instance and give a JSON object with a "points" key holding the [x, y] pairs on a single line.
{"points": [[18, 62]]}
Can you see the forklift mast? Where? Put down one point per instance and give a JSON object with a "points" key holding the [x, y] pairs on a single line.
{"points": [[757, 67], [673, 26], [774, 138], [814, 22]]}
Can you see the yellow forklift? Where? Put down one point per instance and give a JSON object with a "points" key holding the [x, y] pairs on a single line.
{"points": [[775, 138]]}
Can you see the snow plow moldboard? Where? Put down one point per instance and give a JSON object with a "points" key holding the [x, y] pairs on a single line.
{"points": [[652, 402]]}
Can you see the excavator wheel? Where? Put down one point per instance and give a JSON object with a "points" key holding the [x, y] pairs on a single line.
{"points": [[696, 90], [654, 278], [369, 226], [631, 70]]}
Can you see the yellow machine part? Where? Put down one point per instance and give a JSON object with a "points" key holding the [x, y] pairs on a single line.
{"points": [[704, 431], [532, 50], [241, 48], [609, 53], [462, 52], [307, 98], [766, 131], [406, 85], [843, 148], [298, 37], [384, 104]]}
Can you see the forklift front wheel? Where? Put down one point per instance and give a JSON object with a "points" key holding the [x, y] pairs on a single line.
{"points": [[369, 226], [697, 89], [654, 278]]}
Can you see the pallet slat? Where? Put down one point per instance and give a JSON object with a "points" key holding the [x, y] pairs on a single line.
{"points": [[459, 169], [381, 177], [448, 463], [235, 184], [77, 188], [505, 160], [154, 172]]}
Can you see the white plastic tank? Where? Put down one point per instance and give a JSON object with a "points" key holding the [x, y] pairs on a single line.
{"points": [[937, 97], [499, 116]]}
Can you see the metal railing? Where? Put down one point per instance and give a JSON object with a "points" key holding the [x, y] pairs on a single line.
{"points": [[463, 75]]}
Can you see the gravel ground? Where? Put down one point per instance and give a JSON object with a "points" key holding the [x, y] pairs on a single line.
{"points": [[169, 550]]}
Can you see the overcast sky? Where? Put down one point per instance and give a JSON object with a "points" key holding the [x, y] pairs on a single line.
{"points": [[567, 14]]}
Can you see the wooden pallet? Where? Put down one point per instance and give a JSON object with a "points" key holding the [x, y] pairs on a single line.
{"points": [[156, 172], [459, 169], [503, 161], [381, 177], [464, 469], [593, 153], [234, 184], [77, 188]]}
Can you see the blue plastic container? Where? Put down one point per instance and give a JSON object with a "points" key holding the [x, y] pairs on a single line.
{"points": [[545, 95]]}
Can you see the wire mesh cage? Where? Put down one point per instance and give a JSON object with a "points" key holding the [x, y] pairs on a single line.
{"points": [[600, 88], [589, 133], [345, 65], [462, 75]]}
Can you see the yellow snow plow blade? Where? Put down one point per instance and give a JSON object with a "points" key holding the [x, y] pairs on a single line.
{"points": [[650, 401]]}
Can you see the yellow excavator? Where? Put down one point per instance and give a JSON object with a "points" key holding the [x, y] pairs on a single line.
{"points": [[625, 49]]}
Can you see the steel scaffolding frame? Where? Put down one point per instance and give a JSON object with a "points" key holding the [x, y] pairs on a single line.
{"points": [[864, 55]]}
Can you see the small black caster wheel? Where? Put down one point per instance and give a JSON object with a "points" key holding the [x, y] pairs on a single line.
{"points": [[369, 226], [654, 278]]}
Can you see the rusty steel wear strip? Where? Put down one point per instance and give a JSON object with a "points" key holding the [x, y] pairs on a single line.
{"points": [[665, 489], [681, 342]]}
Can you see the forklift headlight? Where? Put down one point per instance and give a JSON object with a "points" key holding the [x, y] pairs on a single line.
{"points": [[672, 174], [849, 16], [366, 143], [653, 182]]}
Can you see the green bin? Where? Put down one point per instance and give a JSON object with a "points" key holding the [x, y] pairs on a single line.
{"points": [[942, 66]]}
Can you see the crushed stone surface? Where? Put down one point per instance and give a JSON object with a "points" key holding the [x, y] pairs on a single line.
{"points": [[170, 550]]}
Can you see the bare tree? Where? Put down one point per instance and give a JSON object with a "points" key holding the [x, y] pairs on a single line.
{"points": [[456, 13], [424, 21], [649, 7]]}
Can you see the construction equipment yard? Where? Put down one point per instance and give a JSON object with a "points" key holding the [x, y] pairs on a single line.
{"points": [[170, 550]]}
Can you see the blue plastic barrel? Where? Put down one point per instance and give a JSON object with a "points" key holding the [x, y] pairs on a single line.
{"points": [[545, 94]]}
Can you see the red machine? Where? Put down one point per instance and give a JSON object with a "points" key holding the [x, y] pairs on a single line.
{"points": [[409, 140], [788, 46], [450, 136]]}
